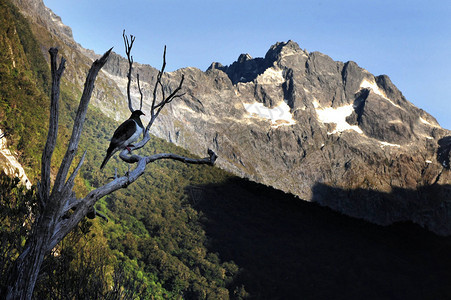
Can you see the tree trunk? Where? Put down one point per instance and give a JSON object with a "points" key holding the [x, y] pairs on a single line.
{"points": [[24, 274]]}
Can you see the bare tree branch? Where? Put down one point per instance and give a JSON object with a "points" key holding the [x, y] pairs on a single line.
{"points": [[70, 182], [85, 204], [140, 92], [98, 213], [71, 203], [165, 100], [157, 83], [50, 144], [79, 121], [128, 47], [129, 158]]}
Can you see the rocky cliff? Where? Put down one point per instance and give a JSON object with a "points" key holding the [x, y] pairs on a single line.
{"points": [[326, 131], [9, 163]]}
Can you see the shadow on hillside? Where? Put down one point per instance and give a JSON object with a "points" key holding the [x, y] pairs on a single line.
{"points": [[426, 204], [444, 151], [291, 249]]}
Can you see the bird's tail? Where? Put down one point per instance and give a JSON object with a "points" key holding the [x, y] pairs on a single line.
{"points": [[107, 157]]}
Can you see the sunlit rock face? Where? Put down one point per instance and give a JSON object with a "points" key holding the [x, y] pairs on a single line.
{"points": [[324, 130], [9, 163]]}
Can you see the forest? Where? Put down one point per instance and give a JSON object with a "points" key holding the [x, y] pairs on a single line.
{"points": [[140, 218], [189, 231]]}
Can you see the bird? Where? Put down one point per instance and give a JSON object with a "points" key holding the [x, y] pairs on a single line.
{"points": [[123, 137]]}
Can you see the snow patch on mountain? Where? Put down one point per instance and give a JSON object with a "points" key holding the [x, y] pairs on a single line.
{"points": [[338, 116], [279, 115], [384, 144]]}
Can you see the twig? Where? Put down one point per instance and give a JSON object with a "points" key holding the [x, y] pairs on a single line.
{"points": [[140, 92], [157, 107], [128, 47]]}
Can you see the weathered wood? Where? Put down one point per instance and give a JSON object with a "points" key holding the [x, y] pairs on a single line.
{"points": [[26, 268], [79, 121], [57, 72]]}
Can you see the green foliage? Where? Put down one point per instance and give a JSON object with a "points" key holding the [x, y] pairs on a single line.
{"points": [[77, 268], [17, 208], [24, 82]]}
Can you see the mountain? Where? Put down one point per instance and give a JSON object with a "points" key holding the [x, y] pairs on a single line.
{"points": [[308, 125], [185, 231], [326, 131]]}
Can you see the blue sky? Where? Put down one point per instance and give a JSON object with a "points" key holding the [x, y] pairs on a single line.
{"points": [[410, 41]]}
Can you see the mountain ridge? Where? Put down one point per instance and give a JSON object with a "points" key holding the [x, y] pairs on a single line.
{"points": [[293, 120]]}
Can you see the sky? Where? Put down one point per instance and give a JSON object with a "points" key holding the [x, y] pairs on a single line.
{"points": [[410, 41]]}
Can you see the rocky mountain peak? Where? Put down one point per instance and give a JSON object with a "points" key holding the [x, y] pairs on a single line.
{"points": [[246, 69], [324, 130], [281, 49], [243, 58], [44, 16]]}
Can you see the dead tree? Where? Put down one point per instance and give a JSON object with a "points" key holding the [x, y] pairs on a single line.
{"points": [[61, 210]]}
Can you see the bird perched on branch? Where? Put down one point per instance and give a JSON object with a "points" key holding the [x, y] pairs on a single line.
{"points": [[127, 133]]}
